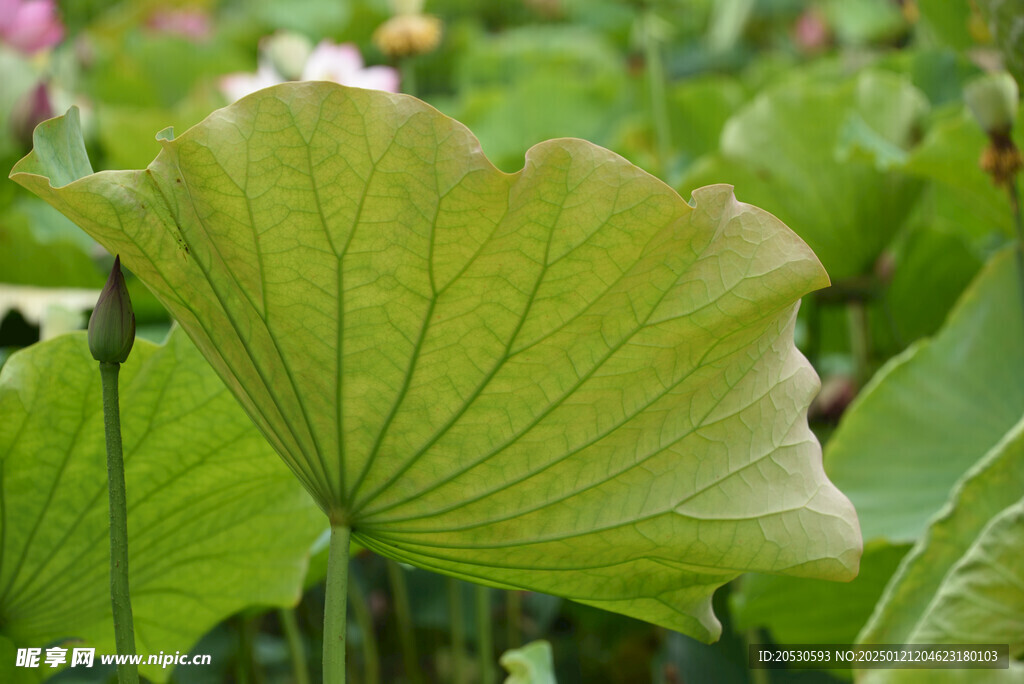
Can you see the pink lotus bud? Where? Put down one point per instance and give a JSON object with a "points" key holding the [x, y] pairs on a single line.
{"points": [[29, 112], [811, 32], [30, 25]]}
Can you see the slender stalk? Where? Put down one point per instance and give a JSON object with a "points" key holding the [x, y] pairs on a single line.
{"points": [[514, 610], [1018, 222], [757, 675], [484, 634], [335, 605], [458, 627], [120, 594], [245, 666], [860, 341], [296, 649], [407, 68], [656, 88], [361, 612], [403, 613]]}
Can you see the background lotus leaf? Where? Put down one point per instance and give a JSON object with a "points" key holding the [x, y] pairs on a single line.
{"points": [[935, 410], [808, 151], [215, 523], [962, 582]]}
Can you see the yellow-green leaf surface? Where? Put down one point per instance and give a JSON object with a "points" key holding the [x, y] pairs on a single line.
{"points": [[565, 379], [963, 582], [215, 523]]}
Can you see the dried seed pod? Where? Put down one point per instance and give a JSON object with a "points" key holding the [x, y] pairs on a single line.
{"points": [[405, 35]]}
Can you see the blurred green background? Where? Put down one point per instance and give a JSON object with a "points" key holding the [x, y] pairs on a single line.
{"points": [[845, 118]]}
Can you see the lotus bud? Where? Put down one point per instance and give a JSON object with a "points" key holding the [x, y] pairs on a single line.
{"points": [[112, 324], [992, 99], [288, 52], [29, 112]]}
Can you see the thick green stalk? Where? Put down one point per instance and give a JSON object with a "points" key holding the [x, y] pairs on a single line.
{"points": [[120, 595], [484, 634], [296, 650], [335, 605], [458, 627], [403, 613], [371, 654]]}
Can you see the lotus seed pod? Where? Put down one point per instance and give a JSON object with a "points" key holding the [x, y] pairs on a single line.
{"points": [[112, 324], [408, 34], [992, 99]]}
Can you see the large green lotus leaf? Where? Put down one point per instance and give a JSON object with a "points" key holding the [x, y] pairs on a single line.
{"points": [[806, 151], [565, 379], [963, 581], [934, 411], [215, 522]]}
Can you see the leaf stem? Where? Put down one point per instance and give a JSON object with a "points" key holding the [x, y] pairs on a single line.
{"points": [[335, 605], [403, 613], [514, 609], [120, 594], [361, 612], [296, 649], [458, 627], [484, 634]]}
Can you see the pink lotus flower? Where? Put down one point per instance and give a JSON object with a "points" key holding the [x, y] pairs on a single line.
{"points": [[343, 64], [237, 86], [191, 24], [811, 32], [328, 62], [30, 25]]}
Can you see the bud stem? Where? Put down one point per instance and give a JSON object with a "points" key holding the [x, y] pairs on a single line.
{"points": [[1011, 189], [120, 596]]}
